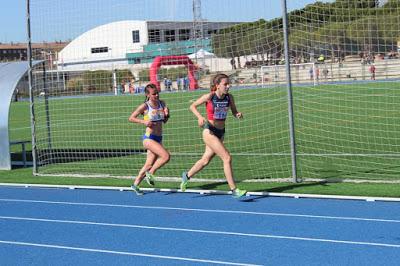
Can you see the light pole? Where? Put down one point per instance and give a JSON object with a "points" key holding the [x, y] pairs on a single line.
{"points": [[48, 57], [198, 34]]}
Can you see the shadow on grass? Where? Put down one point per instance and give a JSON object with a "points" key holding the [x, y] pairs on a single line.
{"points": [[285, 188], [281, 189], [277, 189], [211, 186]]}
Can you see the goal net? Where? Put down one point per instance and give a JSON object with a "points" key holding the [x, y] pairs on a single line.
{"points": [[100, 54], [306, 73]]}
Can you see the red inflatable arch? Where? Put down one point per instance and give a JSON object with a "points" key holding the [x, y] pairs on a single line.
{"points": [[173, 60]]}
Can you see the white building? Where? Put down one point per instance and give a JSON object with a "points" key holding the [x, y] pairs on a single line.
{"points": [[104, 46], [128, 43]]}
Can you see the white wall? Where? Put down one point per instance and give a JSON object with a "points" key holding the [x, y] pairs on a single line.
{"points": [[117, 36]]}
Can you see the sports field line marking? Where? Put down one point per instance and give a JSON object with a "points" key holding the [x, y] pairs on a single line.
{"points": [[204, 210], [123, 253], [202, 231]]}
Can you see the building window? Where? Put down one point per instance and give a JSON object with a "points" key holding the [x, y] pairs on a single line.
{"points": [[99, 50], [169, 35], [184, 34], [154, 36], [211, 32], [135, 36]]}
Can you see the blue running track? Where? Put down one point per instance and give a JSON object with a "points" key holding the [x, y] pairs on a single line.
{"points": [[48, 226]]}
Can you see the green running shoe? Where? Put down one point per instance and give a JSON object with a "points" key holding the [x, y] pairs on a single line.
{"points": [[185, 181], [136, 189], [149, 179], [238, 193]]}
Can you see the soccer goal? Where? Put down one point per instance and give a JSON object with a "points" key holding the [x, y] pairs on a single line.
{"points": [[344, 69], [306, 73]]}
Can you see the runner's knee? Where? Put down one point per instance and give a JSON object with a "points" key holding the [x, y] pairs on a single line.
{"points": [[165, 157]]}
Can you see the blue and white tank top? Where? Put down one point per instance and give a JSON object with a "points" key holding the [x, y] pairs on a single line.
{"points": [[154, 114]]}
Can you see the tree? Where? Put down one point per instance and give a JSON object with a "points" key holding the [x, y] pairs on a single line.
{"points": [[334, 35]]}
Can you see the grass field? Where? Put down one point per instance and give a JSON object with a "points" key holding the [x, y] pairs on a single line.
{"points": [[24, 176], [342, 132]]}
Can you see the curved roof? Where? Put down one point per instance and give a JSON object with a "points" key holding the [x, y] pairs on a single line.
{"points": [[115, 36], [10, 74]]}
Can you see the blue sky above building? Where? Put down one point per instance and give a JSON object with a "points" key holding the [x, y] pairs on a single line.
{"points": [[80, 16]]}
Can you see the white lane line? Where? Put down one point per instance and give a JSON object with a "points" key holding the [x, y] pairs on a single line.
{"points": [[205, 210], [123, 253], [201, 231]]}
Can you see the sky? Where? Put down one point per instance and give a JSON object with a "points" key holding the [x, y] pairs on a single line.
{"points": [[53, 20]]}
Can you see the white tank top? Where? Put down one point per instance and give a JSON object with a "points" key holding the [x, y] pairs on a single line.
{"points": [[154, 114]]}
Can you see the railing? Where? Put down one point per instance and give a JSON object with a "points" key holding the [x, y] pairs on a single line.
{"points": [[23, 149]]}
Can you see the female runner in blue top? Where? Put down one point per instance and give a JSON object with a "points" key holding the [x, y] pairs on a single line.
{"points": [[218, 102], [155, 113]]}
